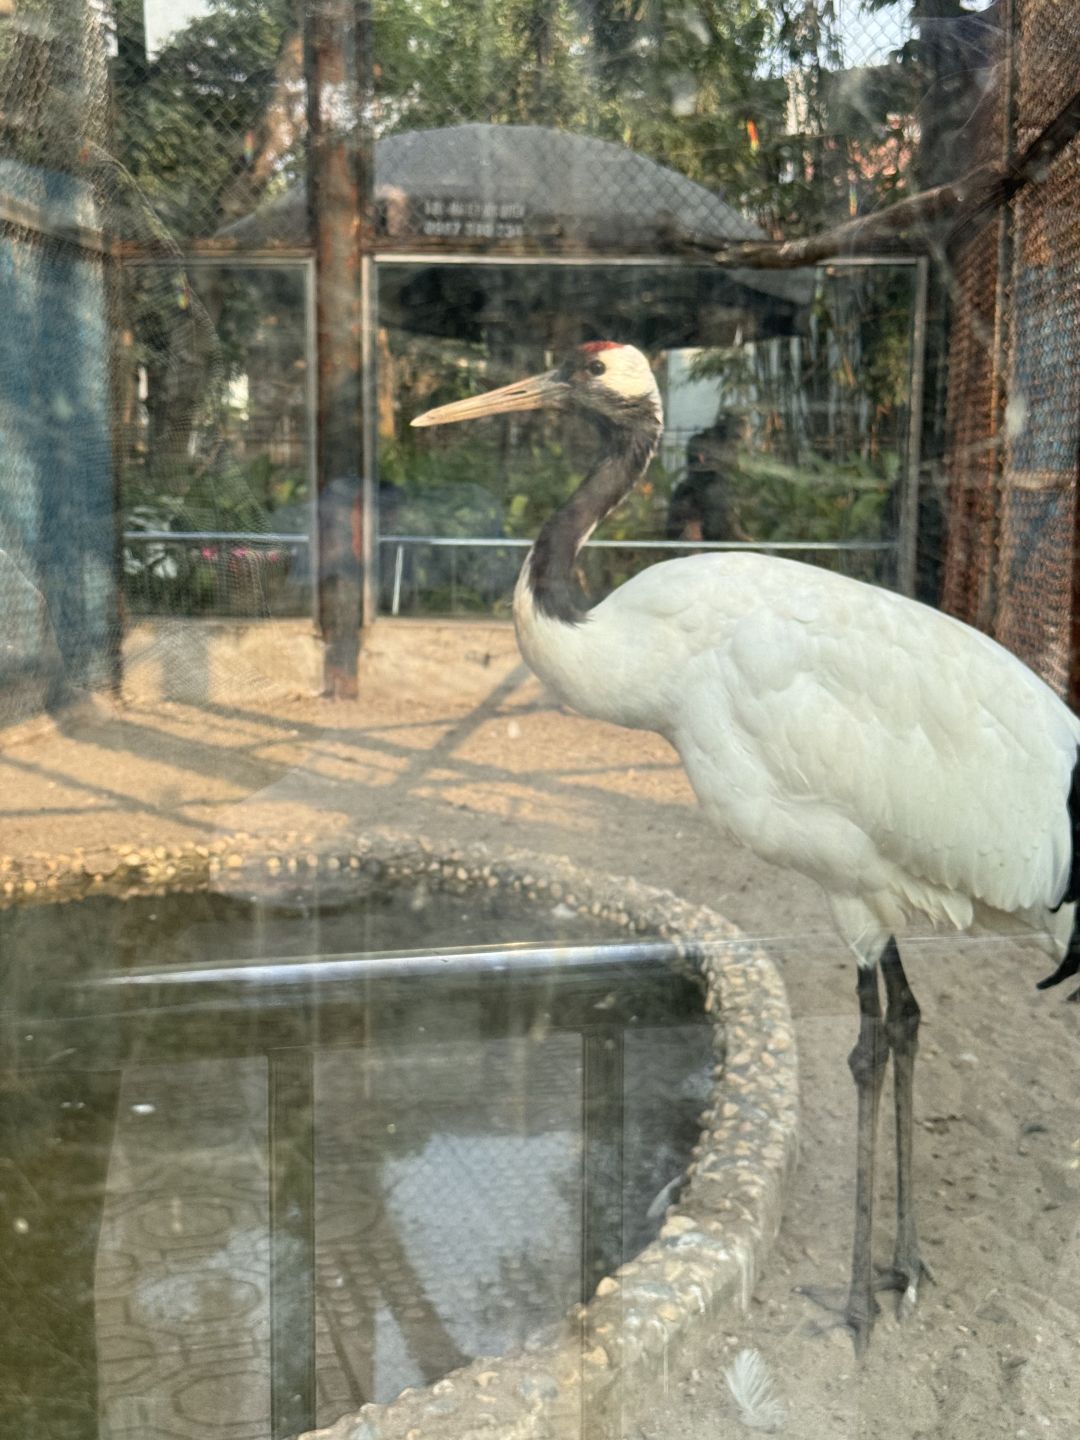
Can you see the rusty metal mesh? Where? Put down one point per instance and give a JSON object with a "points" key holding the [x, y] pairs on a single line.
{"points": [[1039, 479], [1038, 522], [972, 458], [1014, 384]]}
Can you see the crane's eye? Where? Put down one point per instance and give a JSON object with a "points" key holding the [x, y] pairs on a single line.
{"points": [[596, 367]]}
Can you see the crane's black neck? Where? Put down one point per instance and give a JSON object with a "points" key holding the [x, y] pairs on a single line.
{"points": [[552, 576]]}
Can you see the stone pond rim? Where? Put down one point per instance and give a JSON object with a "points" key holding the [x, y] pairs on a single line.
{"points": [[657, 1309]]}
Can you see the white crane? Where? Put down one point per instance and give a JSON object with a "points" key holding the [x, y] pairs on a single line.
{"points": [[909, 764]]}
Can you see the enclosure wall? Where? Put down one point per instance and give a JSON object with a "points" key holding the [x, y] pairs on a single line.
{"points": [[57, 550]]}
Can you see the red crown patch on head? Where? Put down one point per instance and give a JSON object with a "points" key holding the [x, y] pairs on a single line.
{"points": [[594, 345]]}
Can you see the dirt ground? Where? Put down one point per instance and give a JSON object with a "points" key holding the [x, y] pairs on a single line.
{"points": [[453, 739]]}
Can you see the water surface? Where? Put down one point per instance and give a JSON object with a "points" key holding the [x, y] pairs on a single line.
{"points": [[219, 1196]]}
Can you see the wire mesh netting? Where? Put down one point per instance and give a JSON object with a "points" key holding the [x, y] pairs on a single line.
{"points": [[1037, 614], [973, 424], [243, 243], [108, 373], [728, 103], [255, 133]]}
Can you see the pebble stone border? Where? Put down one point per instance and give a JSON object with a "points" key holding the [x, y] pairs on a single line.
{"points": [[577, 1380]]}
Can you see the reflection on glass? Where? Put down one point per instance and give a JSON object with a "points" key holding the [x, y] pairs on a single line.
{"points": [[787, 419], [245, 1180], [467, 1142]]}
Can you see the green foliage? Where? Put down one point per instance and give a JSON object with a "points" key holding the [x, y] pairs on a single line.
{"points": [[706, 86], [673, 81], [695, 86], [818, 500], [224, 497], [182, 127], [844, 390], [182, 578]]}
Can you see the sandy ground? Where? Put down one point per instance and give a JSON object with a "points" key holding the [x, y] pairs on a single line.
{"points": [[453, 739]]}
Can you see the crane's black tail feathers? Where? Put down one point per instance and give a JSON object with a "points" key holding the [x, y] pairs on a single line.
{"points": [[1071, 963], [1072, 891]]}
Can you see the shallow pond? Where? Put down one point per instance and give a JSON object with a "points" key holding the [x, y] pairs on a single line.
{"points": [[267, 1159]]}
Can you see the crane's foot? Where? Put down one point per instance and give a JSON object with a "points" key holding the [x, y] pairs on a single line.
{"points": [[850, 1310], [857, 1313], [909, 1269]]}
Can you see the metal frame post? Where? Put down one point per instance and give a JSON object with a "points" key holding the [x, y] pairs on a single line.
{"points": [[907, 539], [292, 1241], [369, 405]]}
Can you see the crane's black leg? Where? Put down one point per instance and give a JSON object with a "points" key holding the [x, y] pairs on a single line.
{"points": [[867, 1061], [902, 1033]]}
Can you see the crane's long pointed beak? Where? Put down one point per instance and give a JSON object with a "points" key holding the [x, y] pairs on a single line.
{"points": [[536, 393]]}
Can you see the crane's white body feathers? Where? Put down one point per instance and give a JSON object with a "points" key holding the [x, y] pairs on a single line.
{"points": [[909, 764]]}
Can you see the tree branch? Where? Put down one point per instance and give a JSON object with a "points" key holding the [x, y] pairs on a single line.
{"points": [[903, 227]]}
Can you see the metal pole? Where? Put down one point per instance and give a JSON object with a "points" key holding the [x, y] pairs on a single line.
{"points": [[507, 542], [292, 1242], [453, 964], [602, 1154], [602, 1118], [121, 366], [988, 616], [311, 439]]}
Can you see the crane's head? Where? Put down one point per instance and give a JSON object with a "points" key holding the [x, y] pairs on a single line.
{"points": [[609, 383]]}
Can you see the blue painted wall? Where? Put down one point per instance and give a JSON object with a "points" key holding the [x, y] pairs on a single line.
{"points": [[58, 582]]}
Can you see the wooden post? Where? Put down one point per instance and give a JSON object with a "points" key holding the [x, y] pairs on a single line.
{"points": [[340, 189]]}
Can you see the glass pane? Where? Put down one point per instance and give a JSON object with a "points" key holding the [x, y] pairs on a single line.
{"points": [[450, 873], [218, 440]]}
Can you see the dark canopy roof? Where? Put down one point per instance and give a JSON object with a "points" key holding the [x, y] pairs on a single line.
{"points": [[530, 189], [528, 181]]}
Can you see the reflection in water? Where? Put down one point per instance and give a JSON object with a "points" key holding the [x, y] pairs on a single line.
{"points": [[313, 1195]]}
